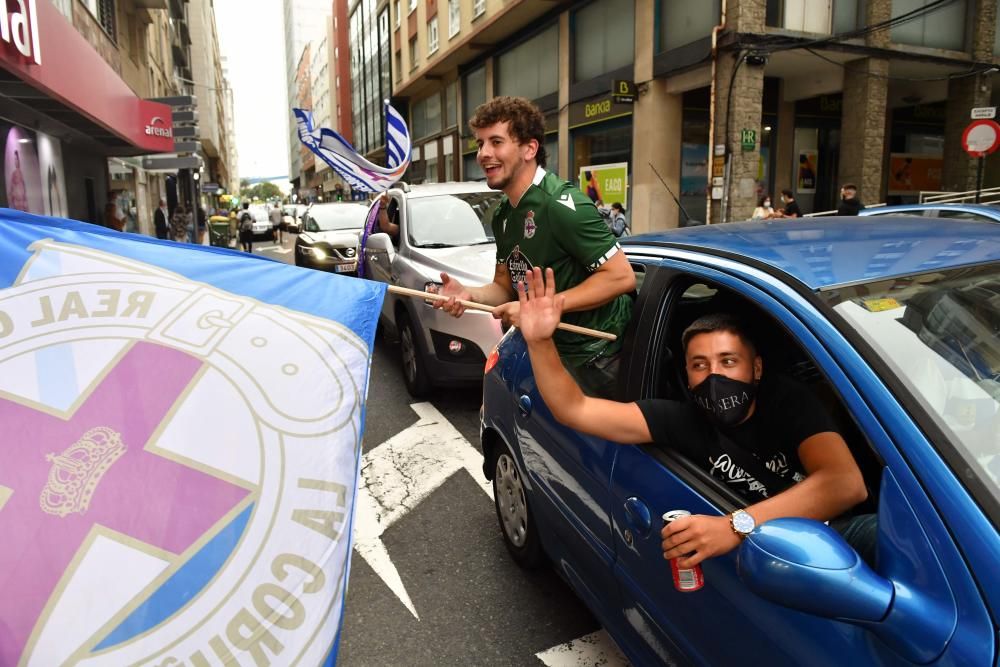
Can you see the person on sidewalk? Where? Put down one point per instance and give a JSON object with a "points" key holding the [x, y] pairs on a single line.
{"points": [[791, 209], [161, 220], [274, 215], [246, 228], [849, 202], [179, 224]]}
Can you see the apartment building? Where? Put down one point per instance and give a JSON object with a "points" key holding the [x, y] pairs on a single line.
{"points": [[726, 100], [304, 181]]}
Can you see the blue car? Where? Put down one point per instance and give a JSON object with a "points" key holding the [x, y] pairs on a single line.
{"points": [[975, 212], [894, 325]]}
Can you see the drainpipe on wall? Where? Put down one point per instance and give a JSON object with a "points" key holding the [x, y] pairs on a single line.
{"points": [[711, 110]]}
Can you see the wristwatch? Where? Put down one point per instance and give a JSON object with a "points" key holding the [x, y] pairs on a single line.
{"points": [[742, 523]]}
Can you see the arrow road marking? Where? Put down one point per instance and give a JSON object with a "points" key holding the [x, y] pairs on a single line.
{"points": [[398, 474], [590, 650]]}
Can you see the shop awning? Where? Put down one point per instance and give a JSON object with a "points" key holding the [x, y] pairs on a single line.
{"points": [[56, 72]]}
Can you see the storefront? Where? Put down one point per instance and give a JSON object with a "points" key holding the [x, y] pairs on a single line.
{"points": [[601, 148], [62, 114], [916, 151], [816, 152]]}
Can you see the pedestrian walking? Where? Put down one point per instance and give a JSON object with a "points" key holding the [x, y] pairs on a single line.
{"points": [[791, 209], [114, 217], [849, 202], [179, 224], [161, 217], [246, 228], [277, 227]]}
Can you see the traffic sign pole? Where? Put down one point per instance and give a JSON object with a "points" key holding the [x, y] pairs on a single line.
{"points": [[979, 178]]}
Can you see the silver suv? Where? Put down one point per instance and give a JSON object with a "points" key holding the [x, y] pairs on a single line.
{"points": [[443, 227]]}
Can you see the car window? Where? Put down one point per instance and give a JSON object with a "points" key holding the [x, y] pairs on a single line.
{"points": [[939, 333], [333, 217], [452, 220], [960, 215], [899, 214]]}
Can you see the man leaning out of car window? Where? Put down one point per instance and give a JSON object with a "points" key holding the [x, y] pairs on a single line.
{"points": [[771, 442]]}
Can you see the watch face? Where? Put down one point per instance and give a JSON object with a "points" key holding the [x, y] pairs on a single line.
{"points": [[743, 523]]}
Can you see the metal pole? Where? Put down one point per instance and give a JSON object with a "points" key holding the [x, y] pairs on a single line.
{"points": [[979, 178]]}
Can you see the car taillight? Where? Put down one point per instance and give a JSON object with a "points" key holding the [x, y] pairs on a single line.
{"points": [[492, 360]]}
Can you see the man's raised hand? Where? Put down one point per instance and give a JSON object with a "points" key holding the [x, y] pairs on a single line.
{"points": [[540, 308]]}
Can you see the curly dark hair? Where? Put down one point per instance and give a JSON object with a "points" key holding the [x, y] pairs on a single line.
{"points": [[526, 121]]}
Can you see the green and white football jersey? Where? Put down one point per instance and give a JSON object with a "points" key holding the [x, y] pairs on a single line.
{"points": [[555, 225]]}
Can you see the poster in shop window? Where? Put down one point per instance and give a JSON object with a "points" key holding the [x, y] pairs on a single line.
{"points": [[910, 173], [805, 183], [20, 170], [607, 182]]}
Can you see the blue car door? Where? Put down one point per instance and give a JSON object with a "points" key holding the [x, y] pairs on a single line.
{"points": [[570, 474], [726, 623]]}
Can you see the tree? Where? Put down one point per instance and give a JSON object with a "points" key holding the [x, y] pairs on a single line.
{"points": [[262, 191]]}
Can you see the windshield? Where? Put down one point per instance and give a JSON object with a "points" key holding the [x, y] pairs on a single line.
{"points": [[336, 216], [940, 334], [452, 220]]}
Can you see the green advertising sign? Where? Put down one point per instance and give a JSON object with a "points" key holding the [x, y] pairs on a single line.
{"points": [[607, 182], [748, 139]]}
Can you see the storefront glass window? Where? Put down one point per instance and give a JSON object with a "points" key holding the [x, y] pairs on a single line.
{"points": [[451, 104], [473, 92], [604, 38], [996, 37], [530, 69], [683, 22], [609, 142], [552, 152], [941, 28], [471, 171], [426, 116]]}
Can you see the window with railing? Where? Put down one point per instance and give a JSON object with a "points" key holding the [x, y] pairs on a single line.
{"points": [[478, 8], [104, 12], [603, 38], [683, 22], [529, 69], [940, 27]]}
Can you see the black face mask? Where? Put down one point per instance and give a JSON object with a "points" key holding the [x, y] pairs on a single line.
{"points": [[726, 401]]}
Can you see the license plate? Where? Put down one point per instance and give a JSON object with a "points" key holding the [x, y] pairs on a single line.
{"points": [[345, 268]]}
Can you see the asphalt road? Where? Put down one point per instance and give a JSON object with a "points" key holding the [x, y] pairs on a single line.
{"points": [[431, 582]]}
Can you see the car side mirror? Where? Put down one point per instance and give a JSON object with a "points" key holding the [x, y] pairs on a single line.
{"points": [[806, 565], [380, 242]]}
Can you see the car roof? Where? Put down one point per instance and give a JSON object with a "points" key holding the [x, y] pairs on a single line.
{"points": [[987, 209], [450, 188], [823, 252]]}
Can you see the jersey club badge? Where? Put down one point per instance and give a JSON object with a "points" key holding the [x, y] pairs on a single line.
{"points": [[529, 225]]}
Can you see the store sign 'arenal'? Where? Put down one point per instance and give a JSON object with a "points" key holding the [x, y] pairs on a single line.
{"points": [[20, 28], [158, 128]]}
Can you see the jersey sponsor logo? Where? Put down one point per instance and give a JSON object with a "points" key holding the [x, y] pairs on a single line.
{"points": [[529, 225], [517, 266], [567, 201]]}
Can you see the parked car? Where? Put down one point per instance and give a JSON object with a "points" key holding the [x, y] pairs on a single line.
{"points": [[443, 227], [976, 212], [331, 237], [893, 325], [262, 227], [291, 215]]}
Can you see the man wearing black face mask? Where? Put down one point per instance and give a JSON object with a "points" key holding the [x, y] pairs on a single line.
{"points": [[768, 440]]}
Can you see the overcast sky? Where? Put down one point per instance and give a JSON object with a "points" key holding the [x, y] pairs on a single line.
{"points": [[252, 42]]}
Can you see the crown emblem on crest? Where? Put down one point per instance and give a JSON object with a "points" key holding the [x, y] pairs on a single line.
{"points": [[76, 472]]}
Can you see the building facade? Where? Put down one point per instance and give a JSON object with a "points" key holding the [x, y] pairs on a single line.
{"points": [[304, 21], [725, 100]]}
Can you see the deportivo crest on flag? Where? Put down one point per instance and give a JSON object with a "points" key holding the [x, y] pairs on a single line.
{"points": [[360, 173], [180, 437]]}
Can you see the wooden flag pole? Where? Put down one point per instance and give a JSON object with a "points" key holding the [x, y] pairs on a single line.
{"points": [[472, 305]]}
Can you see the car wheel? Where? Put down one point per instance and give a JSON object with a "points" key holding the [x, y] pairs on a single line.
{"points": [[414, 370], [517, 524]]}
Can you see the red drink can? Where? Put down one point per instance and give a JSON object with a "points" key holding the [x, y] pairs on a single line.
{"points": [[686, 580]]}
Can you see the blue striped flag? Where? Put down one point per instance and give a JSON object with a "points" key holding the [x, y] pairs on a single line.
{"points": [[360, 173], [180, 446]]}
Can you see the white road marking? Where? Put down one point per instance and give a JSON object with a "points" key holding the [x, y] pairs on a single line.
{"points": [[594, 650], [401, 472], [283, 251]]}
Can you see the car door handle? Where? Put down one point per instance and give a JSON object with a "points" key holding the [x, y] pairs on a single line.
{"points": [[638, 516], [524, 405]]}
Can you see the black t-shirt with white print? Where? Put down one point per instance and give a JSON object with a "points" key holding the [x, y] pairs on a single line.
{"points": [[786, 414]]}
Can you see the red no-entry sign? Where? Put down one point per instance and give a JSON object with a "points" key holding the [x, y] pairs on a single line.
{"points": [[981, 138]]}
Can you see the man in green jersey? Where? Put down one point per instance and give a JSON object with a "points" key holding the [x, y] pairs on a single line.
{"points": [[546, 222]]}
